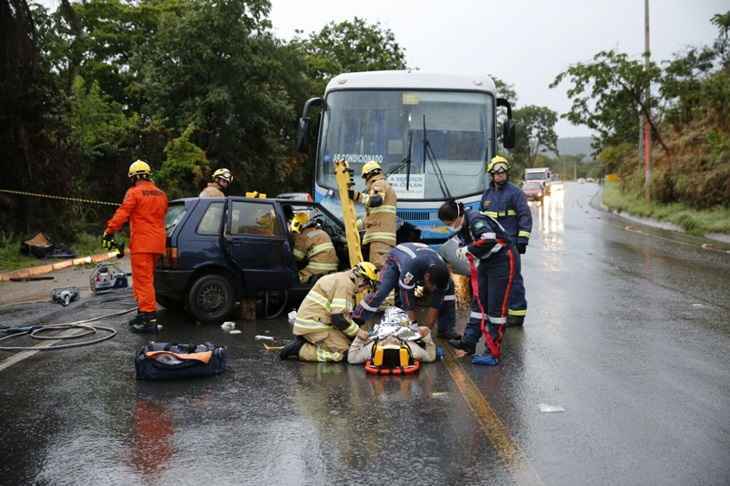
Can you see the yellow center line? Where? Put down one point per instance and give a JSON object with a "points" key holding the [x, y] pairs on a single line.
{"points": [[494, 429]]}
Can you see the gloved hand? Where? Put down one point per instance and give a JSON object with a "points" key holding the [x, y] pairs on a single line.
{"points": [[351, 194], [462, 252], [418, 291], [522, 248], [107, 241]]}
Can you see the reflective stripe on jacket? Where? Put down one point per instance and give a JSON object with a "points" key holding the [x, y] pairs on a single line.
{"points": [[315, 245], [508, 205], [144, 206], [380, 221], [332, 294]]}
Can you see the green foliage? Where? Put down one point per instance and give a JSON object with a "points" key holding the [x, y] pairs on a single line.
{"points": [[350, 46], [607, 96], [183, 171], [535, 133]]}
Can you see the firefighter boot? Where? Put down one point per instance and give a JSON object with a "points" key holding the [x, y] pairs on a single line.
{"points": [[144, 323], [292, 349], [470, 348]]}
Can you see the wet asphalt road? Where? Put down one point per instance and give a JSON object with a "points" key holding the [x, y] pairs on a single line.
{"points": [[628, 331]]}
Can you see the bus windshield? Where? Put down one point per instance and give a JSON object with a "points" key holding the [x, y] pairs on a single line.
{"points": [[381, 125]]}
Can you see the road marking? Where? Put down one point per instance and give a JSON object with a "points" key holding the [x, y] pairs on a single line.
{"points": [[23, 355], [497, 433]]}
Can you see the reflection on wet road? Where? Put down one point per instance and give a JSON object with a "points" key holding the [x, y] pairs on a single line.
{"points": [[627, 333]]}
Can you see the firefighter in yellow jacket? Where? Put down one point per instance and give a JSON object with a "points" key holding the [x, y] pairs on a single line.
{"points": [[323, 328], [313, 245], [380, 219]]}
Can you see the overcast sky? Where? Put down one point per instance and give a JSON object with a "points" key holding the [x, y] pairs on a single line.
{"points": [[524, 42]]}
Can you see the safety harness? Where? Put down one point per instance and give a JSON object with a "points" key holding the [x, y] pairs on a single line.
{"points": [[494, 345]]}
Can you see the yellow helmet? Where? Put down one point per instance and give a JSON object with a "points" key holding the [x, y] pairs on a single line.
{"points": [[224, 174], [369, 168], [139, 168], [298, 221], [367, 271], [498, 164]]}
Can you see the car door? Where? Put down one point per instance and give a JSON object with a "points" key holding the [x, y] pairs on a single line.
{"points": [[256, 243]]}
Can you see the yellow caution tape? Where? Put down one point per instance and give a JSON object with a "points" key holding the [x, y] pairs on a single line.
{"points": [[62, 198]]}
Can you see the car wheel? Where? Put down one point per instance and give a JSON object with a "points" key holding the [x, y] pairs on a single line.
{"points": [[211, 298]]}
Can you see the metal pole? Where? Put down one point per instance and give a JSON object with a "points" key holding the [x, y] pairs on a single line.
{"points": [[646, 127]]}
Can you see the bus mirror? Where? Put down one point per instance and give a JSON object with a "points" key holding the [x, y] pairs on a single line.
{"points": [[302, 135], [508, 134], [303, 128]]}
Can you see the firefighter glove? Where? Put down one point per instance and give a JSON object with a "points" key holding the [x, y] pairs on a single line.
{"points": [[522, 248], [418, 291], [107, 241]]}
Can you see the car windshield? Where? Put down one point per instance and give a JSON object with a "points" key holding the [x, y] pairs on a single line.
{"points": [[532, 185], [535, 176], [382, 125], [175, 214]]}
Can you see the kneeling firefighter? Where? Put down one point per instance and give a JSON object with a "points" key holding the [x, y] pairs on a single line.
{"points": [[491, 256], [144, 206], [314, 246], [323, 327]]}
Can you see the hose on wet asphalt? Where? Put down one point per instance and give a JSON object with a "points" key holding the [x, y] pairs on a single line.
{"points": [[35, 333]]}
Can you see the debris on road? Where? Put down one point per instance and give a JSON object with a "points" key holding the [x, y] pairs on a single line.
{"points": [[264, 338], [30, 279], [228, 326]]}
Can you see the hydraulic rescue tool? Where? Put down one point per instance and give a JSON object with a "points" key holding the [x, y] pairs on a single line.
{"points": [[343, 176]]}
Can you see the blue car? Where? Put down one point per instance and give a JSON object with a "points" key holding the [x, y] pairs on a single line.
{"points": [[221, 250]]}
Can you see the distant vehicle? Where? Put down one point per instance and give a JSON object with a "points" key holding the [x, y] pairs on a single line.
{"points": [[220, 250], [533, 190], [543, 175], [590, 179], [581, 180]]}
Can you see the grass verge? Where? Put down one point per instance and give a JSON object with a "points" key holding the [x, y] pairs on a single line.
{"points": [[12, 259], [693, 221]]}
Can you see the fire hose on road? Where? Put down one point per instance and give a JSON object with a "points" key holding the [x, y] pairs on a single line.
{"points": [[35, 332]]}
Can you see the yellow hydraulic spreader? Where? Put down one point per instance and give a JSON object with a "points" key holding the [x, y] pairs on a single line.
{"points": [[343, 176]]}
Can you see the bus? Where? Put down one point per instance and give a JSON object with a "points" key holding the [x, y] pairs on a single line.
{"points": [[432, 134]]}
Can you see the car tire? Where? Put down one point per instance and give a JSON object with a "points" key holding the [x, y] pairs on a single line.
{"points": [[211, 298]]}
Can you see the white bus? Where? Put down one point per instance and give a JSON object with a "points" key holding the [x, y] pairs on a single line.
{"points": [[432, 133]]}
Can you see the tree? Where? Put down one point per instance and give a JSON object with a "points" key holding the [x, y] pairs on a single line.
{"points": [[608, 95], [183, 171], [536, 133], [350, 46]]}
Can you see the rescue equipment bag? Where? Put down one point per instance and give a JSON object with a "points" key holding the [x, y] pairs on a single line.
{"points": [[171, 361]]}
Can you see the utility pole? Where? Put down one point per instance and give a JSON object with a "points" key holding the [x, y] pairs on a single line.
{"points": [[646, 126]]}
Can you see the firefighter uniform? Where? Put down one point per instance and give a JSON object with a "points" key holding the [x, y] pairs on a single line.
{"points": [[144, 206], [331, 297], [212, 190], [380, 218], [508, 205], [493, 270], [315, 246], [405, 269]]}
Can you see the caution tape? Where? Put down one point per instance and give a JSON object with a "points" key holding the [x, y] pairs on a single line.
{"points": [[62, 198]]}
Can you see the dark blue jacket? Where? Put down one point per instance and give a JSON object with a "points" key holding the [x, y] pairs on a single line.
{"points": [[508, 205], [413, 260], [483, 235]]}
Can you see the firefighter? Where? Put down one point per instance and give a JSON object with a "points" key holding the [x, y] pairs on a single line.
{"points": [[506, 203], [221, 180], [380, 219], [418, 272], [487, 246], [323, 327], [314, 246], [144, 206]]}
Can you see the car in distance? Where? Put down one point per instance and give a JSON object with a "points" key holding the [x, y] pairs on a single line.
{"points": [[533, 190]]}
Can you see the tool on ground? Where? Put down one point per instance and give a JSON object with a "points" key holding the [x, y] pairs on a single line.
{"points": [[170, 361], [30, 279], [106, 277], [65, 295]]}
